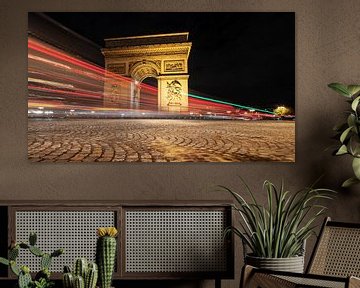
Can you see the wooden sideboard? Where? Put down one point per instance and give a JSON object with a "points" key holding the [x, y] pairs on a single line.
{"points": [[157, 240]]}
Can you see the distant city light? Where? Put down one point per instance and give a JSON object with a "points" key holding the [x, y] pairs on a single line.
{"points": [[282, 110]]}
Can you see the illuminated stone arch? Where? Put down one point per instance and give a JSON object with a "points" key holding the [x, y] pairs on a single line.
{"points": [[139, 72], [164, 57], [144, 69]]}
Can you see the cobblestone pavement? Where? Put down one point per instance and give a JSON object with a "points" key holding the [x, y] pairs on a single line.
{"points": [[158, 140]]}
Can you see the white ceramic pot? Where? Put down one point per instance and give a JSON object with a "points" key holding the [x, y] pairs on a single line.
{"points": [[291, 264]]}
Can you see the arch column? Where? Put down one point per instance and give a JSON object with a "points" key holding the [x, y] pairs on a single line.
{"points": [[135, 95], [173, 93]]}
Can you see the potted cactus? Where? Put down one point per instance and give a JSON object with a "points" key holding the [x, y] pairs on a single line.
{"points": [[42, 278], [106, 254], [85, 275]]}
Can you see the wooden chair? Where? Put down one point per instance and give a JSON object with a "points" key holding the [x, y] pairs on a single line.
{"points": [[335, 262]]}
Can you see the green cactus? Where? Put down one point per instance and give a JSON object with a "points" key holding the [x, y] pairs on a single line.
{"points": [[79, 282], [57, 252], [36, 251], [68, 280], [92, 266], [91, 276], [87, 272], [105, 255], [14, 268], [24, 280], [24, 245], [42, 278], [80, 268], [67, 269], [45, 261], [25, 269], [13, 253], [32, 238]]}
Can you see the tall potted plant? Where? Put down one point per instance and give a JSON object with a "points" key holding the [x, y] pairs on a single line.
{"points": [[276, 233], [349, 132]]}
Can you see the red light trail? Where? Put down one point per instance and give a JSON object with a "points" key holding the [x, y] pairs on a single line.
{"points": [[62, 82]]}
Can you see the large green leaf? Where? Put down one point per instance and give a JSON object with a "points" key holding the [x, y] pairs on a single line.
{"points": [[353, 90], [345, 134], [351, 120], [340, 88], [356, 167], [349, 182], [355, 103], [4, 261], [354, 145], [342, 150]]}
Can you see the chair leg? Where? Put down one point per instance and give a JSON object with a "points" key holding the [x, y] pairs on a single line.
{"points": [[246, 273], [217, 282], [354, 282], [251, 279], [262, 280]]}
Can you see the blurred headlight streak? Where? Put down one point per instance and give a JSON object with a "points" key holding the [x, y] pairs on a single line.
{"points": [[63, 82]]}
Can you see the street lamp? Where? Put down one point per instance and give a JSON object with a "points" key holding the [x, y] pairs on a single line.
{"points": [[282, 110]]}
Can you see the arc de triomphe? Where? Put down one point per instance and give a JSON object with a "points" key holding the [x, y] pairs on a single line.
{"points": [[164, 57]]}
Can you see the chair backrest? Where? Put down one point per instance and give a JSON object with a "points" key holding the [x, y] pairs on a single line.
{"points": [[337, 251]]}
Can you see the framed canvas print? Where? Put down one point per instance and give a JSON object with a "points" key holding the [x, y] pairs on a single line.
{"points": [[161, 87]]}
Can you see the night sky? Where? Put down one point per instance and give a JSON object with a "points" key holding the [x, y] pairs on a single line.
{"points": [[246, 58]]}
